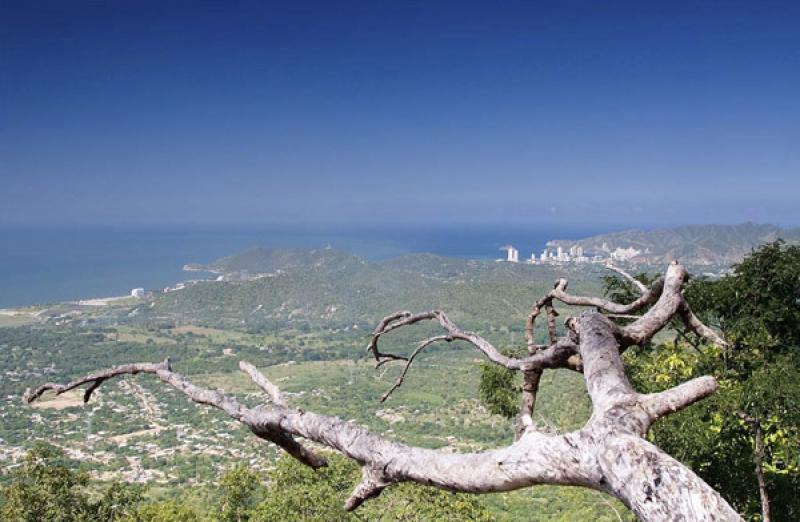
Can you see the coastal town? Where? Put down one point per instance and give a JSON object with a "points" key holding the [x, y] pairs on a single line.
{"points": [[575, 254]]}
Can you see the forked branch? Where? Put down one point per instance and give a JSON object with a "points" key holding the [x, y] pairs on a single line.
{"points": [[608, 453]]}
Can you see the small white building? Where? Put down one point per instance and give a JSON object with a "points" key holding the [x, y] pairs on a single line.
{"points": [[138, 293]]}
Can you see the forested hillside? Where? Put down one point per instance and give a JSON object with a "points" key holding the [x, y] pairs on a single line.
{"points": [[330, 288]]}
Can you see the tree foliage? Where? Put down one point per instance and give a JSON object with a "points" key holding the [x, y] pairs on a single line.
{"points": [[47, 486], [241, 491], [300, 493], [756, 307], [500, 388]]}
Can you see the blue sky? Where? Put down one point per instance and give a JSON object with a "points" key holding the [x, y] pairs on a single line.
{"points": [[348, 113]]}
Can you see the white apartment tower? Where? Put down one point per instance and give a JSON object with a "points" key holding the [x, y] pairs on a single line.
{"points": [[512, 254]]}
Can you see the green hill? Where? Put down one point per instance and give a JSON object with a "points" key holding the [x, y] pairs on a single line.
{"points": [[330, 288]]}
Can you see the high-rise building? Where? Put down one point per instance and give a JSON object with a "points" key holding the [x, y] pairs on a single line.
{"points": [[512, 254]]}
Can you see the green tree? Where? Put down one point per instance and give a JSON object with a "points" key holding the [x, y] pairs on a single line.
{"points": [[165, 511], [759, 302], [119, 501], [47, 486], [241, 490], [297, 492], [750, 429], [500, 388]]}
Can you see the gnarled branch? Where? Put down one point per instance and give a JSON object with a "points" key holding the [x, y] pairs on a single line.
{"points": [[424, 344], [696, 325], [555, 355], [608, 453]]}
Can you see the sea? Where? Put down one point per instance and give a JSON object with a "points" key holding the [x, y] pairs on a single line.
{"points": [[45, 266]]}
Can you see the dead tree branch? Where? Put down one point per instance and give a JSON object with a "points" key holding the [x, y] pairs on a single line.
{"points": [[555, 355], [262, 382], [641, 287], [609, 453], [424, 344]]}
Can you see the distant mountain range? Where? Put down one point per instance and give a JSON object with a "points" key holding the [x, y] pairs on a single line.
{"points": [[691, 245]]}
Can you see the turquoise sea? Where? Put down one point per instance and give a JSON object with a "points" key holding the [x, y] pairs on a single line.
{"points": [[39, 266]]}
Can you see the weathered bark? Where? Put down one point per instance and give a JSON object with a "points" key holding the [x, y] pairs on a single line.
{"points": [[608, 454], [530, 388]]}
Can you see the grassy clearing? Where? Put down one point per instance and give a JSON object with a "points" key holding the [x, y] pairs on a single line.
{"points": [[51, 401], [16, 320], [136, 335], [215, 334]]}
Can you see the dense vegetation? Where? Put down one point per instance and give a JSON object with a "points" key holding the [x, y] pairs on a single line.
{"points": [[754, 419], [749, 431], [47, 486], [338, 290]]}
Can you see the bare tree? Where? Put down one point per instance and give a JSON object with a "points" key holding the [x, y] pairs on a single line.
{"points": [[609, 453]]}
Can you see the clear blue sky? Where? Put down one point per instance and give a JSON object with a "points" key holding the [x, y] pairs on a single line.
{"points": [[165, 113]]}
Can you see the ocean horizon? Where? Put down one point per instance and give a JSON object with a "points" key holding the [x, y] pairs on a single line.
{"points": [[50, 265]]}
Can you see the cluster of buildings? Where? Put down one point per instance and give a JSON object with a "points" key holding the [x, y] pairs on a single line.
{"points": [[575, 254], [559, 255]]}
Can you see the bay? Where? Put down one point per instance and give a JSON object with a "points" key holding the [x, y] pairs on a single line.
{"points": [[41, 266]]}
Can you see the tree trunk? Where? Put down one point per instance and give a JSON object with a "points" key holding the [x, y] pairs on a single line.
{"points": [[608, 454], [762, 485], [758, 457]]}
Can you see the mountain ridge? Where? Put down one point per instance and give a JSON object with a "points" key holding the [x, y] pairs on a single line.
{"points": [[702, 245]]}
